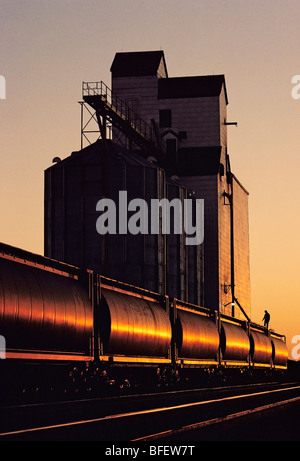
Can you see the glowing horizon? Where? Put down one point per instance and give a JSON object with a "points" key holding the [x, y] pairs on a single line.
{"points": [[50, 47]]}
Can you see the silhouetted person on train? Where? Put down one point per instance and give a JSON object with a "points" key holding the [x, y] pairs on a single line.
{"points": [[266, 319]]}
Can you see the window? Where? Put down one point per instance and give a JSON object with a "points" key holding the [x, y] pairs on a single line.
{"points": [[165, 118]]}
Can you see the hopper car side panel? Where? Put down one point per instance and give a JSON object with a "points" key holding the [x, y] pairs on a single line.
{"points": [[53, 311], [133, 326], [195, 334], [234, 343], [279, 352], [261, 348], [45, 313]]}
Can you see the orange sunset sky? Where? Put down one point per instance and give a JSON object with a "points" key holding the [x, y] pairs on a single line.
{"points": [[48, 47]]}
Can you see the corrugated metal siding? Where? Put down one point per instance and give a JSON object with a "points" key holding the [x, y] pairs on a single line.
{"points": [[242, 249], [205, 187], [155, 262]]}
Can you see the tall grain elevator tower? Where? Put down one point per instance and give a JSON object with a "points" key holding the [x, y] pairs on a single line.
{"points": [[189, 115], [173, 130]]}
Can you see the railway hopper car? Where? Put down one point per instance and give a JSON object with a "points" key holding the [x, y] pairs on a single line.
{"points": [[69, 329], [44, 312], [206, 338]]}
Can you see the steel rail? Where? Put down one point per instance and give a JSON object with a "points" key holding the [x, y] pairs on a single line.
{"points": [[156, 410], [210, 422]]}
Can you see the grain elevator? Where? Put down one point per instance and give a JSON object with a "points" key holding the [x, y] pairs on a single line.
{"points": [[158, 137]]}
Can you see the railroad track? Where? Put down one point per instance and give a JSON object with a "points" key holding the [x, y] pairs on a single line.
{"points": [[199, 414]]}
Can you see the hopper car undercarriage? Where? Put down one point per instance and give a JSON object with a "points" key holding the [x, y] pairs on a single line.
{"points": [[69, 331]]}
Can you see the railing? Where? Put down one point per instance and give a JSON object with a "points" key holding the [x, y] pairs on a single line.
{"points": [[118, 106]]}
